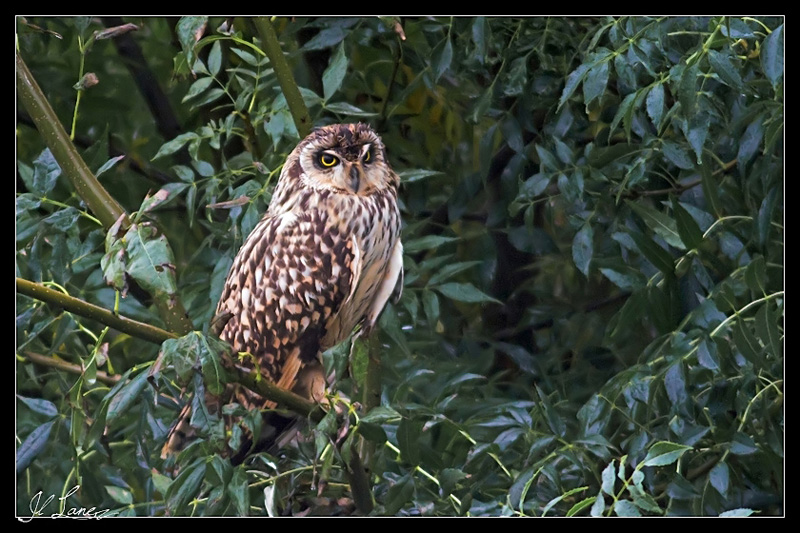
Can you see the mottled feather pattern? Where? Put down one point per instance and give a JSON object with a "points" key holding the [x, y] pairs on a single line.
{"points": [[310, 271]]}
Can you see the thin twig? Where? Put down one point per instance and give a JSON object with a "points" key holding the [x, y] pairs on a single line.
{"points": [[102, 204], [72, 368]]}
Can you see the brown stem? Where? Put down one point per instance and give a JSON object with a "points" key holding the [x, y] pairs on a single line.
{"points": [[72, 368]]}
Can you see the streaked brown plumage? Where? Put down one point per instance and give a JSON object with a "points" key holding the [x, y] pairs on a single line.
{"points": [[325, 258]]}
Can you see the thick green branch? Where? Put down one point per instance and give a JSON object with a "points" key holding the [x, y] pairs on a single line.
{"points": [[284, 398], [104, 316], [102, 204], [269, 41]]}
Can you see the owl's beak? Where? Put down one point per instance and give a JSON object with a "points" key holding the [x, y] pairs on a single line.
{"points": [[355, 177]]}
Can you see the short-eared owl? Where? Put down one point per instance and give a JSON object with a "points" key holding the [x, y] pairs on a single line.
{"points": [[325, 258]]}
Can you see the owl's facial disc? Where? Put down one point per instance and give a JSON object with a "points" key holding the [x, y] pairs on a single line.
{"points": [[349, 167]]}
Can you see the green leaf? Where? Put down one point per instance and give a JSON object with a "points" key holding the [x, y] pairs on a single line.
{"points": [[743, 444], [430, 303], [600, 157], [33, 445], [554, 420], [465, 292], [185, 487], [175, 144], [688, 229], [750, 141], [547, 160], [334, 75], [449, 479], [380, 414], [624, 277], [710, 187], [412, 175], [659, 222], [372, 432], [655, 104], [239, 491], [582, 248], [677, 155], [664, 453], [399, 494], [426, 243], [755, 275], [737, 513], [626, 508], [150, 260], [450, 270], [595, 83], [722, 63], [697, 132], [720, 478], [765, 214], [408, 435], [343, 108], [747, 343], [197, 88], [108, 165], [573, 80], [40, 405], [707, 355], [583, 504], [45, 172], [675, 384], [215, 58], [687, 90], [441, 58], [598, 506], [608, 479], [772, 56], [658, 256], [625, 109], [119, 495], [767, 327], [126, 396]]}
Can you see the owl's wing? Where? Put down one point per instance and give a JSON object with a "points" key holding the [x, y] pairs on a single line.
{"points": [[293, 273]]}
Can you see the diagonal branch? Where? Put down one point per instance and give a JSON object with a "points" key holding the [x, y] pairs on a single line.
{"points": [[101, 203], [269, 41], [94, 312]]}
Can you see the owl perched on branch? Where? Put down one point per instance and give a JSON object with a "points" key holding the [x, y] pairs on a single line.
{"points": [[324, 259]]}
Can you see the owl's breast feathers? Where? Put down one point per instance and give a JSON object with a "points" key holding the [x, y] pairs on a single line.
{"points": [[304, 278]]}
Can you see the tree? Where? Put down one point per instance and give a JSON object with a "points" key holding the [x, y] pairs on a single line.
{"points": [[592, 317]]}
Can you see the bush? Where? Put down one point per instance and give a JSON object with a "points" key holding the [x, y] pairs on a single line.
{"points": [[592, 317]]}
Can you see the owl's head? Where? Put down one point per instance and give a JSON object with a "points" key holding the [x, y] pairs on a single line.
{"points": [[346, 158]]}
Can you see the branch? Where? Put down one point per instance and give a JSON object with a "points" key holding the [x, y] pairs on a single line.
{"points": [[72, 368], [94, 312], [101, 203], [269, 41], [282, 397], [132, 57]]}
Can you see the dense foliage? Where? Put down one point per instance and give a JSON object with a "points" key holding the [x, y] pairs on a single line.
{"points": [[592, 318]]}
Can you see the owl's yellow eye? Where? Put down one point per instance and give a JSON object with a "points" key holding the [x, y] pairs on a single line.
{"points": [[368, 156], [327, 160]]}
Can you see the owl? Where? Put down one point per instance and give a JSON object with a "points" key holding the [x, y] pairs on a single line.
{"points": [[324, 259]]}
